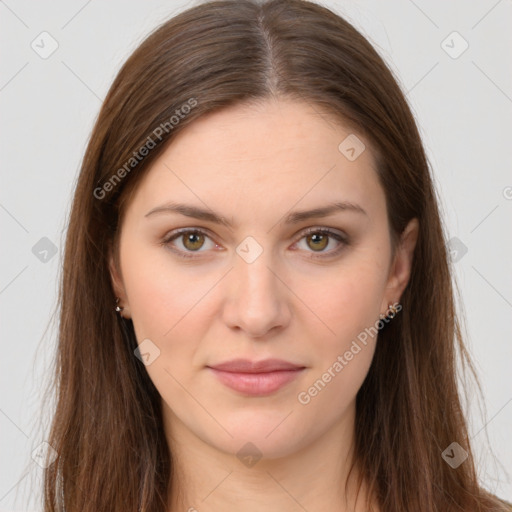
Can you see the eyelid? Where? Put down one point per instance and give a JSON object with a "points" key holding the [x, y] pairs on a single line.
{"points": [[341, 237], [175, 234]]}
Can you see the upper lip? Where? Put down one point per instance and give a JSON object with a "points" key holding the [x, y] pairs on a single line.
{"points": [[247, 366]]}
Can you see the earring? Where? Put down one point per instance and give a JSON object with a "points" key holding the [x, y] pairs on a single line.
{"points": [[118, 308], [393, 309]]}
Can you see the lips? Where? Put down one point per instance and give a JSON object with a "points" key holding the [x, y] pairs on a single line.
{"points": [[247, 366], [256, 378]]}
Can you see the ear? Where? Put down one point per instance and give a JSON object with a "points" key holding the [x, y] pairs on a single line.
{"points": [[118, 285], [402, 264]]}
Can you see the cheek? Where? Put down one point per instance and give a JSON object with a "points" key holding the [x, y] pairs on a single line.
{"points": [[346, 299], [349, 306], [165, 305], [164, 295], [160, 292]]}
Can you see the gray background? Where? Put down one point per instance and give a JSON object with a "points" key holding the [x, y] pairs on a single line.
{"points": [[463, 107]]}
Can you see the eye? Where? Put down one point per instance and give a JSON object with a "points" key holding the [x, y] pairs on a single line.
{"points": [[192, 240], [319, 238]]}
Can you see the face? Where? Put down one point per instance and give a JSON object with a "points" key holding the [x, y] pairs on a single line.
{"points": [[253, 280]]}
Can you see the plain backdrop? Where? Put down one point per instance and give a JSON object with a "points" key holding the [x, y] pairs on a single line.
{"points": [[459, 86]]}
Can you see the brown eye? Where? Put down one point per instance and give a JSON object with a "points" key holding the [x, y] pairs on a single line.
{"points": [[193, 240], [316, 240], [186, 242], [319, 241]]}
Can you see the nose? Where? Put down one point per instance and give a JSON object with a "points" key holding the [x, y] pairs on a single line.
{"points": [[257, 298]]}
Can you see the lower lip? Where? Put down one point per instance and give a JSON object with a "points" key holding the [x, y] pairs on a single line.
{"points": [[257, 384]]}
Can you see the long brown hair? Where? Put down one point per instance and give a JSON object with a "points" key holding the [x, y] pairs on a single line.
{"points": [[112, 453]]}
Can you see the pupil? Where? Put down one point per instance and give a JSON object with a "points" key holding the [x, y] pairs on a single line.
{"points": [[318, 238], [193, 238]]}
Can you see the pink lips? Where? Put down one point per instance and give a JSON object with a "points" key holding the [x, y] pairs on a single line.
{"points": [[256, 377]]}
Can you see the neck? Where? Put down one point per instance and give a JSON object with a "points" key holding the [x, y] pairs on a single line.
{"points": [[312, 478]]}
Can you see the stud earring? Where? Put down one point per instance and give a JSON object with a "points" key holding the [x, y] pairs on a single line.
{"points": [[393, 310], [118, 308]]}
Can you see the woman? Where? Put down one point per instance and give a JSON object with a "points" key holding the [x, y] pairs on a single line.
{"points": [[256, 303]]}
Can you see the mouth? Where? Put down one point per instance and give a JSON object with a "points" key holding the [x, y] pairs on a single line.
{"points": [[256, 378]]}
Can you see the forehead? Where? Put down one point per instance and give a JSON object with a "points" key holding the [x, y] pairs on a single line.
{"points": [[264, 157], [285, 130]]}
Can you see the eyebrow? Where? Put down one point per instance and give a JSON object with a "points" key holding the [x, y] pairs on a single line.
{"points": [[292, 218]]}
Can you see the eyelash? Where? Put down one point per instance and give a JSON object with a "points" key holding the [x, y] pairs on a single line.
{"points": [[344, 241]]}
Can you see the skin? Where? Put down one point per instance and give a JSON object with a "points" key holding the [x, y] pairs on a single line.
{"points": [[254, 165]]}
